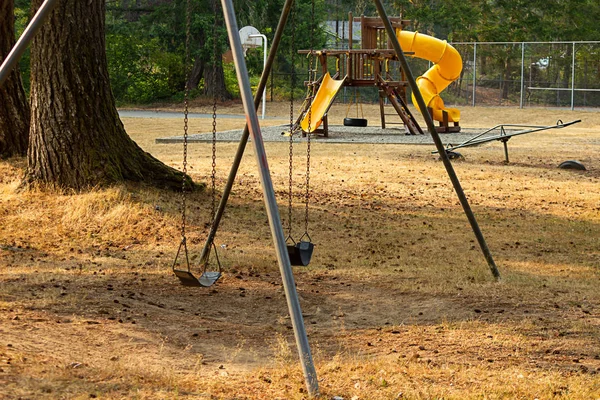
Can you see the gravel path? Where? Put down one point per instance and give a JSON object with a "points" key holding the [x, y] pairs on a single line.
{"points": [[175, 114], [337, 134]]}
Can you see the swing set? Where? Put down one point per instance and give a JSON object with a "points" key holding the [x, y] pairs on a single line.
{"points": [[288, 250], [300, 251]]}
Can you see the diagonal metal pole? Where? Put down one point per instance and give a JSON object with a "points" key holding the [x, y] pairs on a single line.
{"points": [[244, 139], [19, 48], [438, 142], [283, 258]]}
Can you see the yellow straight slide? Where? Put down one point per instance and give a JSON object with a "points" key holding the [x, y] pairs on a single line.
{"points": [[447, 68], [321, 103]]}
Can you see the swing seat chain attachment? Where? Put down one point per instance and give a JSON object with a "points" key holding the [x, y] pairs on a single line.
{"points": [[209, 275], [300, 252]]}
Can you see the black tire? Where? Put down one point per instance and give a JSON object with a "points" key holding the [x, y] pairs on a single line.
{"points": [[355, 122], [454, 155], [572, 164]]}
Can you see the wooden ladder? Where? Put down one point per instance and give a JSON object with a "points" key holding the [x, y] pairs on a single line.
{"points": [[391, 93]]}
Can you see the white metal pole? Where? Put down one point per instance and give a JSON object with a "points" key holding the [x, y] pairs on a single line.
{"points": [[522, 72], [573, 79], [474, 71], [264, 97]]}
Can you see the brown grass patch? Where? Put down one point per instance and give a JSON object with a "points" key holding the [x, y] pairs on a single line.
{"points": [[398, 300]]}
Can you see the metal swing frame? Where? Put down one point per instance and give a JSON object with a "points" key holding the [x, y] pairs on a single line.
{"points": [[253, 128]]}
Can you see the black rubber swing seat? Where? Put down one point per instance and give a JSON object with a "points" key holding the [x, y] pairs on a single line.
{"points": [[454, 155], [300, 253], [355, 122]]}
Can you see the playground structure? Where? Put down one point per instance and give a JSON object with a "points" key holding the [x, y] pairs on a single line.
{"points": [[253, 129], [375, 64]]}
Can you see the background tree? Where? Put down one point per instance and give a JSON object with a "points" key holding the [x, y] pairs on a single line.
{"points": [[146, 49], [77, 139], [14, 108]]}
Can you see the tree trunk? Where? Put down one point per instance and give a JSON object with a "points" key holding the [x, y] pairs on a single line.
{"points": [[196, 73], [214, 77], [506, 78], [14, 108], [214, 82], [77, 139]]}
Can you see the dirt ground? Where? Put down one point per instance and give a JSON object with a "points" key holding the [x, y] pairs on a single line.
{"points": [[398, 300]]}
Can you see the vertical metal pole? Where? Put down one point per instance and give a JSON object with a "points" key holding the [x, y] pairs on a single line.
{"points": [[474, 71], [18, 49], [264, 96], [264, 99], [438, 142], [522, 72], [573, 79], [283, 259], [244, 139]]}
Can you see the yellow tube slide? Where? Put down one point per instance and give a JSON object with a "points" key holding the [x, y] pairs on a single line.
{"points": [[447, 68]]}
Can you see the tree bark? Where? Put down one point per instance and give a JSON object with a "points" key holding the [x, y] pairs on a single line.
{"points": [[14, 108], [214, 76], [77, 139], [214, 82], [196, 73], [506, 78]]}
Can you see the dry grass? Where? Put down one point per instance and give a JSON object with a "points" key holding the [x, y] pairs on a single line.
{"points": [[398, 301]]}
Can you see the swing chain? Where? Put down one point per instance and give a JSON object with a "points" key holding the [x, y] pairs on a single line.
{"points": [[214, 123], [307, 196], [291, 143], [312, 78], [185, 119]]}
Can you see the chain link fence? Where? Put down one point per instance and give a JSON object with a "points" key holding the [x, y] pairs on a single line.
{"points": [[528, 74]]}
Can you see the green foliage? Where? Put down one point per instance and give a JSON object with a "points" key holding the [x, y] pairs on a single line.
{"points": [[146, 43], [21, 21], [503, 20], [231, 81], [142, 71]]}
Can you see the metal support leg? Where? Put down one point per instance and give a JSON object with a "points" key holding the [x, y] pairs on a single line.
{"points": [[283, 259], [19, 48], [438, 142], [244, 139], [505, 143]]}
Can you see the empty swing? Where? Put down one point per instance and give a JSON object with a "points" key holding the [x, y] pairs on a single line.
{"points": [[300, 252], [211, 269], [349, 121]]}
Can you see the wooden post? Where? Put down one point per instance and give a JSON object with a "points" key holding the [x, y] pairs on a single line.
{"points": [[363, 33], [350, 23], [323, 60], [445, 121], [349, 70], [382, 108]]}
